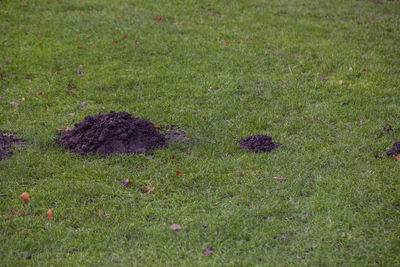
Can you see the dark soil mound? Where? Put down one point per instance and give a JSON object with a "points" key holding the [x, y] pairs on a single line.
{"points": [[258, 143], [112, 133], [395, 149], [6, 140]]}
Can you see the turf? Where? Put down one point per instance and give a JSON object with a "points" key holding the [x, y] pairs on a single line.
{"points": [[220, 70]]}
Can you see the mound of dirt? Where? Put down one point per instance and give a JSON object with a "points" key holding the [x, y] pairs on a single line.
{"points": [[395, 149], [6, 140], [112, 133], [258, 143]]}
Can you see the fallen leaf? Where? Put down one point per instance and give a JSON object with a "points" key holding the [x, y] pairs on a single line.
{"points": [[157, 127], [173, 156], [190, 152], [39, 93], [49, 214], [80, 47], [114, 42], [148, 190], [362, 122], [25, 197], [208, 252], [159, 19], [365, 70], [176, 227], [63, 130], [397, 157], [340, 82], [179, 173], [280, 178], [126, 183]]}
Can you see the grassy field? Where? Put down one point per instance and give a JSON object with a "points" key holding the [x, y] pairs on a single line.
{"points": [[320, 77]]}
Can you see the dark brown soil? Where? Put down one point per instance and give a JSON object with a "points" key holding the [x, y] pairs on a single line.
{"points": [[258, 143], [112, 133], [6, 141], [395, 149]]}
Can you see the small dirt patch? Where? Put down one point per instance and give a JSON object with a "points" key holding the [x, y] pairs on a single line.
{"points": [[112, 133], [173, 134], [258, 143], [395, 149], [6, 141]]}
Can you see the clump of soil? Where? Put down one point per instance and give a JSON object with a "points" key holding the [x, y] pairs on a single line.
{"points": [[395, 149], [112, 133], [258, 143], [6, 140]]}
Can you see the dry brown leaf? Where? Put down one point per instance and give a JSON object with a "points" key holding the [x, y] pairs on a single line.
{"points": [[126, 183], [148, 190], [49, 214], [179, 173], [280, 178], [25, 197], [208, 252], [176, 227]]}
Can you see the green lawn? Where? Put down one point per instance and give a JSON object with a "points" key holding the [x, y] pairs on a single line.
{"points": [[220, 70]]}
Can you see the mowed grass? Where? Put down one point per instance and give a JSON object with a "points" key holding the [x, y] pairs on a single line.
{"points": [[220, 70]]}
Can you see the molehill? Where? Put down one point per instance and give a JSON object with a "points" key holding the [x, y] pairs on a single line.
{"points": [[395, 149], [6, 140], [112, 133], [258, 143]]}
